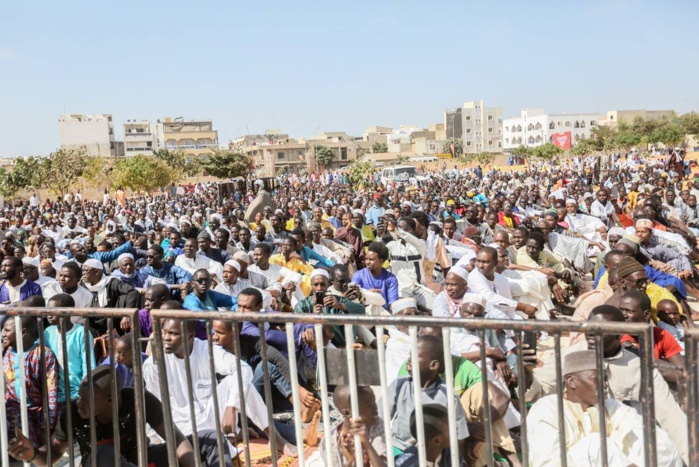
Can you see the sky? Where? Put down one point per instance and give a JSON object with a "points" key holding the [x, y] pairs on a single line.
{"points": [[306, 67]]}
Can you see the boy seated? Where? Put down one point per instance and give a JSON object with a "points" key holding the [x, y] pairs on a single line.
{"points": [[401, 401], [435, 420], [74, 335], [123, 356], [672, 321]]}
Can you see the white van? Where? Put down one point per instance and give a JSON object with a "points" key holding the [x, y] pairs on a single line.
{"points": [[399, 173]]}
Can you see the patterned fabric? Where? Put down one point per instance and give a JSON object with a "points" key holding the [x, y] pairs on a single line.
{"points": [[35, 412]]}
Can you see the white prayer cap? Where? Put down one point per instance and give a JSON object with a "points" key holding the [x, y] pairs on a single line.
{"points": [[93, 263], [473, 298], [242, 256], [644, 224], [402, 304], [407, 203], [581, 360], [618, 231], [320, 272], [571, 201], [29, 261], [234, 264], [358, 211], [328, 202], [587, 195], [293, 278], [124, 256], [459, 271], [185, 220], [171, 225]]}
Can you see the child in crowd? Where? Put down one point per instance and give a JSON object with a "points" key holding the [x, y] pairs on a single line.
{"points": [[123, 356], [672, 321], [74, 335], [436, 426]]}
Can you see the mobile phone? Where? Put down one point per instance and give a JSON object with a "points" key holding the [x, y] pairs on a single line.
{"points": [[320, 296], [530, 339]]}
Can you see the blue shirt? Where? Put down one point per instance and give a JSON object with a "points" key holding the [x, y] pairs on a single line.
{"points": [[373, 214], [308, 253], [169, 273], [77, 364], [212, 302]]}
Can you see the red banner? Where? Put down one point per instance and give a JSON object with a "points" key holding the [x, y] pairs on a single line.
{"points": [[562, 140]]}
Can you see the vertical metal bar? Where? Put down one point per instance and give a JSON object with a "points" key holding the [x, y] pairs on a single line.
{"points": [[521, 394], [323, 383], [159, 356], [354, 392], [417, 395], [451, 406], [190, 390], [22, 378], [692, 404], [139, 391], [91, 393], [647, 396], [220, 445], [4, 440], [601, 407], [115, 392], [45, 390], [66, 383], [241, 389], [298, 426], [561, 419], [268, 390], [385, 409], [486, 401]]}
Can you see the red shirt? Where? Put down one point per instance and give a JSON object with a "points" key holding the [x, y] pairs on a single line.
{"points": [[664, 345]]}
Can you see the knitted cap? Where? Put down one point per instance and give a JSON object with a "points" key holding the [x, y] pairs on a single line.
{"points": [[628, 266], [581, 360]]}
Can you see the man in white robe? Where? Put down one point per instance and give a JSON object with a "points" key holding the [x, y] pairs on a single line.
{"points": [[624, 426]]}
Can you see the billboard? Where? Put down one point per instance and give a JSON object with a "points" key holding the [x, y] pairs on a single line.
{"points": [[562, 140]]}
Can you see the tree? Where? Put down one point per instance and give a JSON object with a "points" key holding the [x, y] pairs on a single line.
{"points": [[626, 137], [690, 124], [62, 169], [361, 173], [546, 151], [361, 152], [485, 158], [603, 139], [456, 144], [180, 163], [379, 147], [228, 164], [402, 159], [141, 173], [324, 155], [98, 171], [583, 148], [521, 151], [670, 133]]}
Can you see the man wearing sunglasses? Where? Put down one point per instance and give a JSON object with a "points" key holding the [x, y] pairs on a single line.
{"points": [[203, 298]]}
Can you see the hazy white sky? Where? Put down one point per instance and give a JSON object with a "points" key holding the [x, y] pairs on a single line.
{"points": [[337, 66]]}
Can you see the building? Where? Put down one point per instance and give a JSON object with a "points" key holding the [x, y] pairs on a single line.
{"points": [[275, 152], [193, 137], [94, 133], [534, 128], [142, 137], [613, 117], [477, 125]]}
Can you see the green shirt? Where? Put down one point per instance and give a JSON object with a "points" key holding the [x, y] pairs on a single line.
{"points": [[306, 306], [466, 374]]}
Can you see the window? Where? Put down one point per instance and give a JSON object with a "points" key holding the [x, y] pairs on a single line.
{"points": [[530, 127], [507, 140], [593, 123], [551, 126], [490, 117], [519, 127], [530, 140], [149, 144], [490, 130], [468, 143], [582, 124], [499, 144], [577, 124], [171, 143], [468, 118], [281, 155], [468, 130], [537, 126], [490, 143], [567, 123], [343, 154]]}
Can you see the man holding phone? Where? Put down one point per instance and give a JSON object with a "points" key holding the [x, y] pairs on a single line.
{"points": [[319, 301]]}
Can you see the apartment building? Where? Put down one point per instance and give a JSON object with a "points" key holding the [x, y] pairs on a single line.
{"points": [[142, 137], [195, 137], [93, 132], [534, 127], [479, 126], [613, 117]]}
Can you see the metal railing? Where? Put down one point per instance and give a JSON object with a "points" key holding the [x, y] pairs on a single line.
{"points": [[380, 324]]}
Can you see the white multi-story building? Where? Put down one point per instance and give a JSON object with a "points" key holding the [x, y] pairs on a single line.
{"points": [[535, 128], [94, 132], [477, 125], [142, 137]]}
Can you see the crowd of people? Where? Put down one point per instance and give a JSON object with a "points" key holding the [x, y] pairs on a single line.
{"points": [[557, 241]]}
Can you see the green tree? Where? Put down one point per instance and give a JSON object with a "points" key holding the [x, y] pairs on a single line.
{"points": [[522, 151], [361, 152], [379, 147], [228, 164], [546, 151], [62, 169], [603, 139], [180, 163], [670, 133], [141, 173], [402, 159], [626, 137], [458, 145], [485, 158], [583, 148], [690, 124], [361, 173], [324, 155], [98, 171]]}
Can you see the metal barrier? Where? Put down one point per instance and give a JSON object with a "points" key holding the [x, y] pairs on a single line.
{"points": [[380, 323]]}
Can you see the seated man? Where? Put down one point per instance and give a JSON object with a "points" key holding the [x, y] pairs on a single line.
{"points": [[623, 380], [15, 287], [102, 384], [108, 291], [321, 302], [374, 277], [127, 271], [191, 262], [534, 256], [670, 319], [204, 299], [69, 283], [233, 284], [160, 272], [227, 389], [624, 425], [400, 393]]}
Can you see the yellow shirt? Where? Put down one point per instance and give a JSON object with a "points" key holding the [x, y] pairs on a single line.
{"points": [[295, 265], [654, 292]]}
